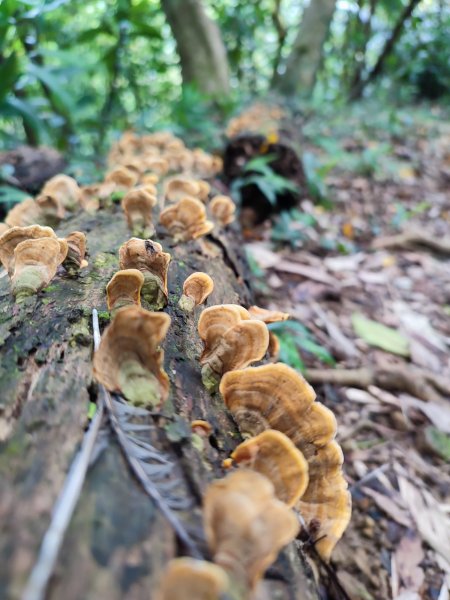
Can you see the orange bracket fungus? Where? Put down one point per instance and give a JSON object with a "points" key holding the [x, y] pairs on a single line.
{"points": [[186, 220], [191, 579], [222, 209], [137, 205], [12, 238], [148, 257], [75, 259], [35, 264], [129, 359], [196, 289], [231, 341], [269, 316], [63, 190], [274, 455], [121, 179], [124, 289], [177, 188], [277, 397], [246, 526]]}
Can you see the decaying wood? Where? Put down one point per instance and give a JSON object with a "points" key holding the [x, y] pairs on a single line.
{"points": [[118, 543]]}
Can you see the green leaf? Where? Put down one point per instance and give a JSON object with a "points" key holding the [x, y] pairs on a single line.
{"points": [[10, 195], [439, 441], [9, 73], [289, 353], [18, 107], [62, 100], [376, 334]]}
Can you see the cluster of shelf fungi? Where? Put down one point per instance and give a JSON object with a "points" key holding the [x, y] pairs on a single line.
{"points": [[287, 474]]}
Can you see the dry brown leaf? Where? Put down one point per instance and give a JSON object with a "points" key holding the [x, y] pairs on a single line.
{"points": [[405, 562], [305, 271], [432, 522], [390, 507]]}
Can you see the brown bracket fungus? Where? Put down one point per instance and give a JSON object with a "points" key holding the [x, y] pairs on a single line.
{"points": [[269, 316], [129, 359], [277, 397], [177, 188], [75, 259], [274, 455], [231, 341], [191, 579], [35, 264], [137, 205], [122, 179], [222, 210], [63, 190], [24, 213], [124, 289], [246, 526], [51, 209], [196, 289], [186, 220], [14, 236], [148, 257], [159, 166]]}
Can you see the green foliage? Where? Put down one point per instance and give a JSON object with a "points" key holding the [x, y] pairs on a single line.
{"points": [[296, 339], [439, 441], [291, 227], [261, 174], [377, 334]]}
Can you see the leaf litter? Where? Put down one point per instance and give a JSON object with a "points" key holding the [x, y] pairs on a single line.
{"points": [[369, 280]]}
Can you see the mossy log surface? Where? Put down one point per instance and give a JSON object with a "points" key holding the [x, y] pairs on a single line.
{"points": [[118, 543]]}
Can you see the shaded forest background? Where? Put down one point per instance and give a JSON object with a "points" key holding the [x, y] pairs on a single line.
{"points": [[76, 73]]}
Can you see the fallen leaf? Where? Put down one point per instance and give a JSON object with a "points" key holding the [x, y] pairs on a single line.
{"points": [[391, 508], [431, 521], [305, 271], [406, 558], [379, 335], [440, 442]]}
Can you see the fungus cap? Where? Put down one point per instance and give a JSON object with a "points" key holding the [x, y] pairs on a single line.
{"points": [[191, 579], [123, 178], [148, 257], [177, 188], [277, 397], [129, 359], [222, 209], [274, 455], [137, 205], [246, 525], [196, 289], [24, 213], [64, 189], [14, 236], [159, 166], [35, 264], [267, 316], [201, 427], [124, 289], [76, 242], [186, 220]]}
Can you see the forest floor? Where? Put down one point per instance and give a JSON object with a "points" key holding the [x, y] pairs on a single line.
{"points": [[374, 315]]}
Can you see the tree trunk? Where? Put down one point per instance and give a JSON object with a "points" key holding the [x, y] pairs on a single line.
{"points": [[387, 49], [304, 60], [202, 54], [118, 543]]}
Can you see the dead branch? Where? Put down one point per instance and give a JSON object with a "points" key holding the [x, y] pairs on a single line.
{"points": [[410, 238]]}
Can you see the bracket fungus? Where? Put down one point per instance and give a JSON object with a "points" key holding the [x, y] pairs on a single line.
{"points": [[14, 236], [222, 209], [192, 579], [122, 179], [196, 289], [186, 220], [129, 359], [24, 213], [148, 257], [274, 455], [231, 341], [35, 264], [75, 259], [137, 205], [269, 316], [177, 188], [246, 525], [124, 289], [277, 397], [64, 190]]}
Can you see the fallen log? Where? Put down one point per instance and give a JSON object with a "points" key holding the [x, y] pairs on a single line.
{"points": [[118, 544]]}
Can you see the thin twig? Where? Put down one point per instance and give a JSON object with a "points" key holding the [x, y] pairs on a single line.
{"points": [[65, 505]]}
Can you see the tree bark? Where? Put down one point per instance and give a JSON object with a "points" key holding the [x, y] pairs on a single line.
{"points": [[387, 49], [304, 60], [118, 543], [202, 54]]}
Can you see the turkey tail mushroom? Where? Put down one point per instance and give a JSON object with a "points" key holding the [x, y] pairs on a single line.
{"points": [[196, 289]]}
